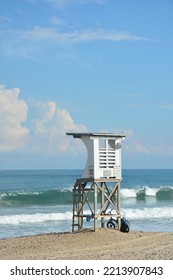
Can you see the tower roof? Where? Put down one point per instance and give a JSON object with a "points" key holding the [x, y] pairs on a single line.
{"points": [[100, 135]]}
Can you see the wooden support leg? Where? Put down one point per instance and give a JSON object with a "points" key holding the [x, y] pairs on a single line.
{"points": [[118, 206], [95, 207], [80, 208], [102, 203]]}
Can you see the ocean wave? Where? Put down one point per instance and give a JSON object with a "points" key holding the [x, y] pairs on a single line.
{"points": [[65, 196], [34, 218], [23, 198], [148, 213], [128, 213], [142, 193]]}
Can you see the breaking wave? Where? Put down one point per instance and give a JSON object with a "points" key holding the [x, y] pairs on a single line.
{"points": [[161, 193], [64, 196], [129, 213], [148, 213], [34, 218]]}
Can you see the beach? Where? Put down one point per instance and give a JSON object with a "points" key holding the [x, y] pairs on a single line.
{"points": [[103, 244], [36, 218]]}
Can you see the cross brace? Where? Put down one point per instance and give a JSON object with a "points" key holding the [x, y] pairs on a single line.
{"points": [[92, 199]]}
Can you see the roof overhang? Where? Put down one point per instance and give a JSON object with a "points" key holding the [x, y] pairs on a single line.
{"points": [[98, 135]]}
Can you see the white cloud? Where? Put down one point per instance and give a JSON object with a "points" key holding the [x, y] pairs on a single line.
{"points": [[57, 21], [166, 106], [148, 146], [2, 18], [13, 113], [49, 130], [29, 43], [134, 146], [61, 4], [77, 36], [155, 105], [44, 134], [141, 148], [163, 148]]}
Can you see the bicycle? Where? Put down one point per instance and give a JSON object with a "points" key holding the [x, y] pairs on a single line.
{"points": [[113, 224]]}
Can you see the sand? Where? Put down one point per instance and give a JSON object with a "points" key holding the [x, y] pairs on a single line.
{"points": [[107, 244]]}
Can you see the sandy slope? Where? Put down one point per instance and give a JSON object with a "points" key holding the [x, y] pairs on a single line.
{"points": [[102, 244]]}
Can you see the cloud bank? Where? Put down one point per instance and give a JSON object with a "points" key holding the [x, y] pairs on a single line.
{"points": [[40, 129], [49, 129], [13, 114], [43, 134]]}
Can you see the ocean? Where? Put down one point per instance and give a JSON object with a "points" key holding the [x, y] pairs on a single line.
{"points": [[40, 201]]}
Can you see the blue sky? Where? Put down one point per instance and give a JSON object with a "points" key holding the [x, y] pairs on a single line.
{"points": [[85, 65]]}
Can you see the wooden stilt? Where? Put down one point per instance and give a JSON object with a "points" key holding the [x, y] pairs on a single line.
{"points": [[86, 198]]}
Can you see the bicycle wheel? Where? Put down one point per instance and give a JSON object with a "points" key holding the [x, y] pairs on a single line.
{"points": [[112, 224]]}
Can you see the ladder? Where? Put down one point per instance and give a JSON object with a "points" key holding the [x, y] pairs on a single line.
{"points": [[78, 198]]}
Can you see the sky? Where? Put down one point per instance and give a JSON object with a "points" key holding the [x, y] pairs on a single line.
{"points": [[85, 66]]}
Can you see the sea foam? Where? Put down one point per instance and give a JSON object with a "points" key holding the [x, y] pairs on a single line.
{"points": [[34, 218], [149, 213]]}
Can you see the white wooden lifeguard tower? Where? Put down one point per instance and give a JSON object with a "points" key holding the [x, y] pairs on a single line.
{"points": [[99, 187]]}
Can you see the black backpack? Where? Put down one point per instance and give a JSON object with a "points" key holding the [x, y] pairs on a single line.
{"points": [[124, 225]]}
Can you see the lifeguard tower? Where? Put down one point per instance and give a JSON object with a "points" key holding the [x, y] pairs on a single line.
{"points": [[99, 187]]}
